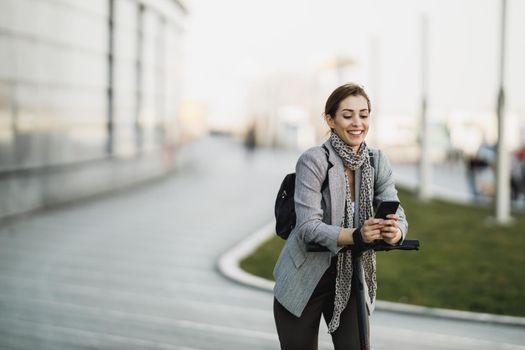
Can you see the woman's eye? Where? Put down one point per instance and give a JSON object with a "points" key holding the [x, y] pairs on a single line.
{"points": [[347, 116], [364, 115]]}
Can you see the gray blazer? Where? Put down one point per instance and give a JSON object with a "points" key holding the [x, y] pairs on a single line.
{"points": [[319, 220]]}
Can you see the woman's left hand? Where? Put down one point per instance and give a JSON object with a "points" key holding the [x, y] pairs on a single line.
{"points": [[390, 231]]}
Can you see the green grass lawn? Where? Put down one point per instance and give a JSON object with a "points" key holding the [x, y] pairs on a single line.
{"points": [[464, 263]]}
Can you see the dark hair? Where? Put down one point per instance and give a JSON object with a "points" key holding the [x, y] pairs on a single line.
{"points": [[342, 92]]}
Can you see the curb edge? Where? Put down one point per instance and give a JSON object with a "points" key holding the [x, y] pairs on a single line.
{"points": [[228, 265]]}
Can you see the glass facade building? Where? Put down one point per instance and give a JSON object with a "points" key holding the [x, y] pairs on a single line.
{"points": [[85, 83]]}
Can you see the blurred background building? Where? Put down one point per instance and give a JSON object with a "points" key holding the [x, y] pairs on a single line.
{"points": [[89, 96], [95, 95], [273, 59], [272, 64]]}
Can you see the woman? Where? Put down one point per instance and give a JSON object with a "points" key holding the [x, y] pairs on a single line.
{"points": [[311, 284]]}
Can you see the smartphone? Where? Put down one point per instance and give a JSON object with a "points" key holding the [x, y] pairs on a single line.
{"points": [[386, 207]]}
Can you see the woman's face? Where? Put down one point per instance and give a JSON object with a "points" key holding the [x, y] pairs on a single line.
{"points": [[351, 121]]}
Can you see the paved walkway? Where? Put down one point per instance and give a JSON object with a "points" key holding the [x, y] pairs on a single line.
{"points": [[137, 270]]}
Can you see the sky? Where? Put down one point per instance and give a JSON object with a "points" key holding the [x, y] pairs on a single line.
{"points": [[232, 45]]}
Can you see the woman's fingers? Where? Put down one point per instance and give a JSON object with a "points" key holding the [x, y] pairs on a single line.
{"points": [[373, 223], [371, 232], [391, 233], [392, 237], [389, 222], [380, 229], [390, 226]]}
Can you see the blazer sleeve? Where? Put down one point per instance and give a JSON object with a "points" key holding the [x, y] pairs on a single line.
{"points": [[311, 171], [385, 190]]}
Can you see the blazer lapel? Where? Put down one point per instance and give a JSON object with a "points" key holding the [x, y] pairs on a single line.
{"points": [[336, 178]]}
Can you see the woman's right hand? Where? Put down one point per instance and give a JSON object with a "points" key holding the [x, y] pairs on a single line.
{"points": [[371, 229]]}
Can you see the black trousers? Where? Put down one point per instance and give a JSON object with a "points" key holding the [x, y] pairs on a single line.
{"points": [[301, 333]]}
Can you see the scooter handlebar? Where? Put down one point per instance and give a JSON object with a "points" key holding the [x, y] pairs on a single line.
{"points": [[377, 245]]}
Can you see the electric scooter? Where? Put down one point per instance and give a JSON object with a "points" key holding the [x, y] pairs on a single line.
{"points": [[358, 279]]}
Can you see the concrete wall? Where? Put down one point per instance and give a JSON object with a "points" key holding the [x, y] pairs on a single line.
{"points": [[89, 97], [28, 190]]}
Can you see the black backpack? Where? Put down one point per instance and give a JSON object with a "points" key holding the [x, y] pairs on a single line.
{"points": [[285, 204]]}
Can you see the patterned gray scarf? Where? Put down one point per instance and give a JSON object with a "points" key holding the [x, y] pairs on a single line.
{"points": [[343, 285]]}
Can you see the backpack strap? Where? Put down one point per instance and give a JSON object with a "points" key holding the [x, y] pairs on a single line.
{"points": [[325, 182], [372, 160]]}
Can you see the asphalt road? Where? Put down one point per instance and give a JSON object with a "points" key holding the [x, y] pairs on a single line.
{"points": [[137, 269]]}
